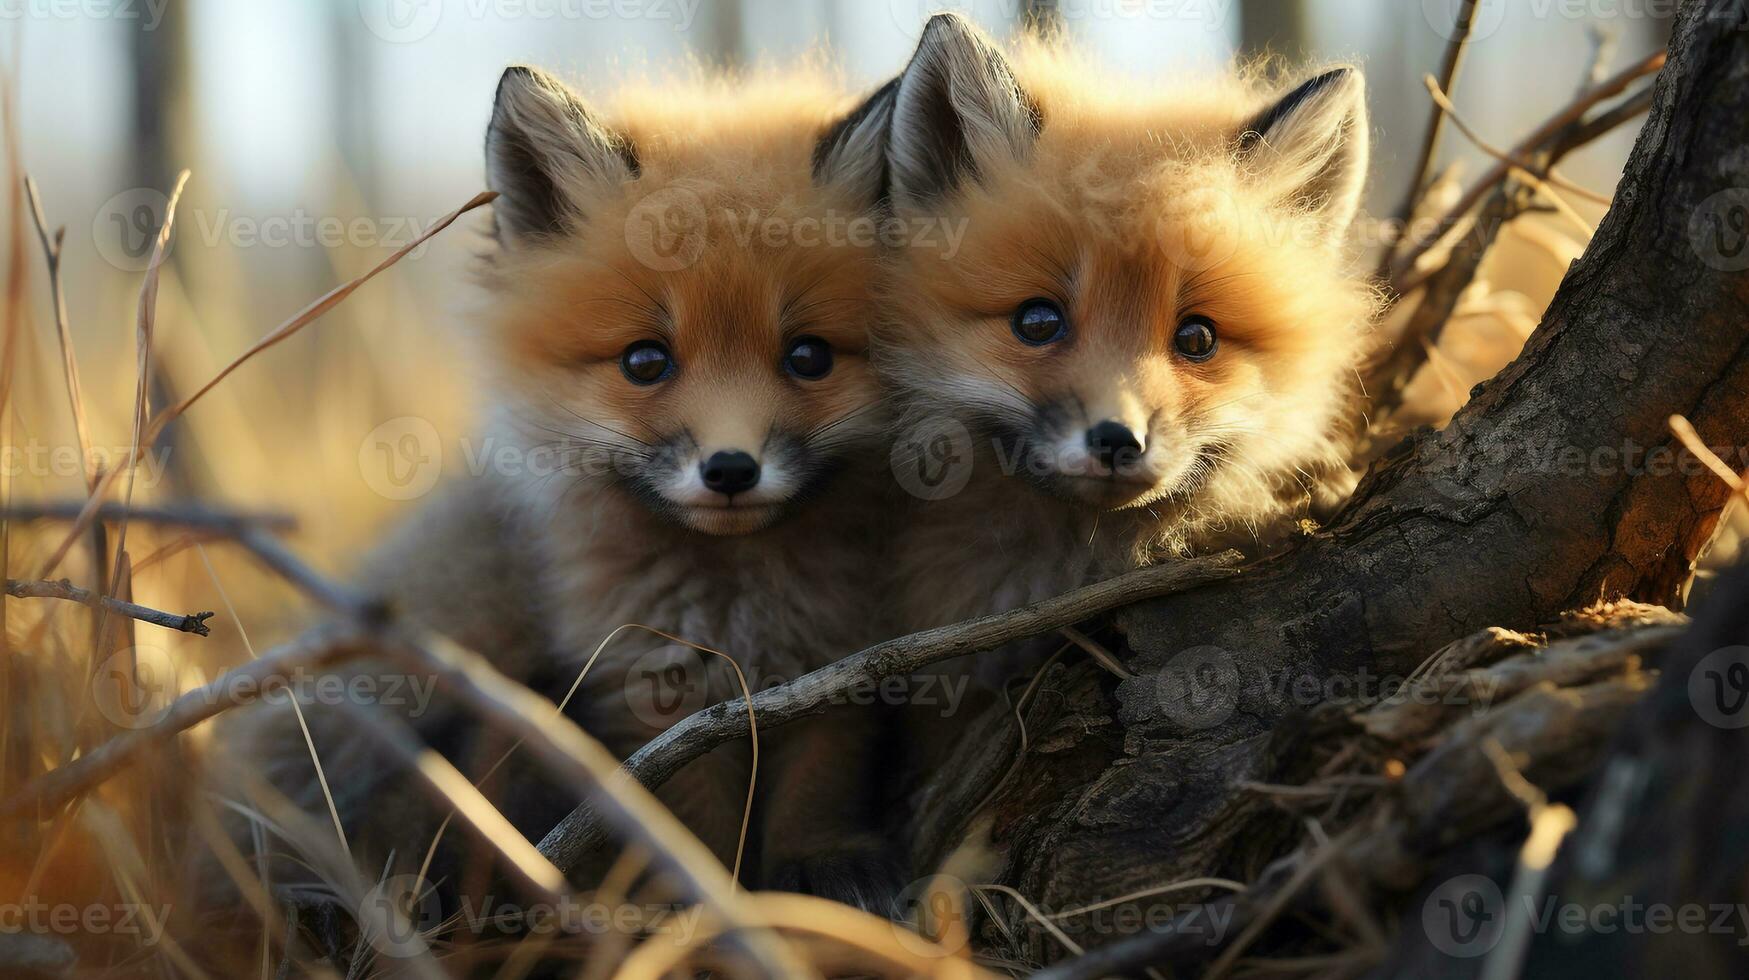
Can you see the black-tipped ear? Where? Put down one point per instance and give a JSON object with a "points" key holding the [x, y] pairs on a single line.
{"points": [[545, 155], [1312, 147], [853, 151], [957, 112]]}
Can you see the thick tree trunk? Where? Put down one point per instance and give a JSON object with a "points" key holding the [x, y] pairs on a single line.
{"points": [[1559, 483]]}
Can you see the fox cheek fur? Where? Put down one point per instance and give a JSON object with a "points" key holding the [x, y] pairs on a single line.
{"points": [[1150, 307]]}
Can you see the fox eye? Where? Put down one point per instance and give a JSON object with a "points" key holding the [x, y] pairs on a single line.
{"points": [[646, 362], [808, 357], [1195, 338], [1039, 322]]}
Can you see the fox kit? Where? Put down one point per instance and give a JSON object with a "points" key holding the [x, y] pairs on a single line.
{"points": [[1143, 345], [681, 296], [678, 366]]}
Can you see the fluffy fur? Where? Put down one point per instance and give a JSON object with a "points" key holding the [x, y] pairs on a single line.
{"points": [[720, 233], [1132, 207], [645, 224]]}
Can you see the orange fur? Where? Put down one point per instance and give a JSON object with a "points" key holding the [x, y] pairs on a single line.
{"points": [[1133, 211]]}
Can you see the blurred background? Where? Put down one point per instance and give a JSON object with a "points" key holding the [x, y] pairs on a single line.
{"points": [[323, 134]]}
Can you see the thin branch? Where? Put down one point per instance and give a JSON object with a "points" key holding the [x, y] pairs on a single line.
{"points": [[1421, 176], [192, 623], [63, 328], [1540, 139], [1389, 377], [184, 517], [1440, 98], [693, 736]]}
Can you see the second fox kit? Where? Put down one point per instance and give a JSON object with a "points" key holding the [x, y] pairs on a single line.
{"points": [[1145, 342], [694, 413]]}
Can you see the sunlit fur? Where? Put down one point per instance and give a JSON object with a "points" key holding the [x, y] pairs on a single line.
{"points": [[1132, 210]]}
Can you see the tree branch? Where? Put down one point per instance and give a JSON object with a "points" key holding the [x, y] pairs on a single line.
{"points": [[192, 623], [651, 766]]}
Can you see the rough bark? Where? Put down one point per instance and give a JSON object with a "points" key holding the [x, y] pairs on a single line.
{"points": [[1557, 484]]}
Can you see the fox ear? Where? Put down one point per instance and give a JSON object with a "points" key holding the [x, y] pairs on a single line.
{"points": [[546, 155], [853, 151], [1312, 147], [958, 111]]}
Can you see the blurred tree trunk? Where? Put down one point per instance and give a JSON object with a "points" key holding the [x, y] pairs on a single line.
{"points": [[1272, 26]]}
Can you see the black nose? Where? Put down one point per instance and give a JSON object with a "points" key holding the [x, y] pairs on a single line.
{"points": [[1113, 444], [730, 472]]}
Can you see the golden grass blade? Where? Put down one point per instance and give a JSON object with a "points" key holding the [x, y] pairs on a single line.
{"points": [[143, 347], [297, 709], [322, 305]]}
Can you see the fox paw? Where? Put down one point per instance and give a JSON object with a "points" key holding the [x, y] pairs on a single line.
{"points": [[863, 877]]}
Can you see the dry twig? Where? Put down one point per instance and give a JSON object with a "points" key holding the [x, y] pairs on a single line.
{"points": [[63, 589]]}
